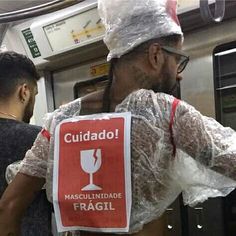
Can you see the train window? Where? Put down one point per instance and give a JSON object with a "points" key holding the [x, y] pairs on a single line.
{"points": [[224, 59], [85, 87], [79, 80], [225, 84]]}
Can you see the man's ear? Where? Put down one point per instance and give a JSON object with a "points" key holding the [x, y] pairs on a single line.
{"points": [[155, 56], [24, 92]]}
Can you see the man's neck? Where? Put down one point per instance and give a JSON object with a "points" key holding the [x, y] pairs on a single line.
{"points": [[118, 95], [7, 116], [121, 87], [9, 111]]}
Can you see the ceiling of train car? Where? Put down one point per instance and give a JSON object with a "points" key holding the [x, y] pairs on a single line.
{"points": [[10, 5]]}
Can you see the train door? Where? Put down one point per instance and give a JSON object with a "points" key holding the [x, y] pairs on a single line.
{"points": [[79, 80]]}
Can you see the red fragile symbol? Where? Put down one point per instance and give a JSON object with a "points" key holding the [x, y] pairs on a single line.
{"points": [[95, 156]]}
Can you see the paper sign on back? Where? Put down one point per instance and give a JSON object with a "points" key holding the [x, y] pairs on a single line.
{"points": [[92, 177]]}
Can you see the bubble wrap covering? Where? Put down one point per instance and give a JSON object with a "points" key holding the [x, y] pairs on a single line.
{"points": [[130, 23], [12, 170], [205, 152]]}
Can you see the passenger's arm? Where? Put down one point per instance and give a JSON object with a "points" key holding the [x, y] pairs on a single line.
{"points": [[205, 140], [15, 200]]}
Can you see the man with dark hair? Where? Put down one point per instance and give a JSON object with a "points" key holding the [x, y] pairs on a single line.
{"points": [[18, 88], [174, 148]]}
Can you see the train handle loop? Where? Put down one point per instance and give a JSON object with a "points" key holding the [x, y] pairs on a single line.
{"points": [[206, 12]]}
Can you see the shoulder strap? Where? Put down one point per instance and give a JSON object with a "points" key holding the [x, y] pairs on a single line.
{"points": [[172, 115], [46, 134]]}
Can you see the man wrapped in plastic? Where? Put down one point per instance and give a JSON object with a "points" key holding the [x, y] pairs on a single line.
{"points": [[174, 147]]}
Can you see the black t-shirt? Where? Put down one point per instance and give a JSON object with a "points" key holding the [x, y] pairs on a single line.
{"points": [[16, 138]]}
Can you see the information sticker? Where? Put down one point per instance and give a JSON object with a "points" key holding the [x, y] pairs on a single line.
{"points": [[92, 173]]}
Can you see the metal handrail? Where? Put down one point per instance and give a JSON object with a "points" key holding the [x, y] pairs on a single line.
{"points": [[206, 12], [36, 10], [3, 30]]}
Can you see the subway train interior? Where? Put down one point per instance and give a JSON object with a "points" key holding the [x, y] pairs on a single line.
{"points": [[64, 39]]}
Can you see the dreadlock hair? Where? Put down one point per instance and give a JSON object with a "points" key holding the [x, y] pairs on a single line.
{"points": [[106, 95]]}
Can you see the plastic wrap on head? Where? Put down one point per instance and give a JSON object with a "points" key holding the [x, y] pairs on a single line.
{"points": [[130, 23]]}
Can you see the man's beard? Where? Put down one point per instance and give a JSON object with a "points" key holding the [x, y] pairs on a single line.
{"points": [[28, 112], [26, 118], [173, 90], [168, 85]]}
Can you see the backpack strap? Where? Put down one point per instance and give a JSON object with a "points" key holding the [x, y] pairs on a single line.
{"points": [[172, 115], [46, 134]]}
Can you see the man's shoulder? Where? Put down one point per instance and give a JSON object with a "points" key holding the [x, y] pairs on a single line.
{"points": [[28, 129], [17, 136], [67, 109], [149, 98]]}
